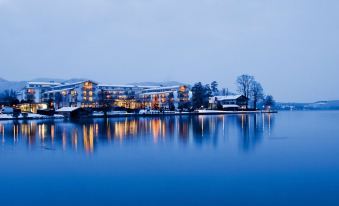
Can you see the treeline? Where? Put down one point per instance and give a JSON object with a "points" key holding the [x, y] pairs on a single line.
{"points": [[8, 98], [247, 85]]}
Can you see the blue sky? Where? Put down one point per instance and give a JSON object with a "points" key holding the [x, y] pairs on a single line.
{"points": [[290, 46]]}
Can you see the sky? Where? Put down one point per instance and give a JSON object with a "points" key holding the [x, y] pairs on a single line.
{"points": [[290, 46]]}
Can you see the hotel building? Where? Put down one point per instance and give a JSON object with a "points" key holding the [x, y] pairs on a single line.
{"points": [[164, 97], [124, 96], [90, 94], [33, 91], [78, 94]]}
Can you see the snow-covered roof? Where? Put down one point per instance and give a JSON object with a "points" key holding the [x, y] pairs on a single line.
{"points": [[117, 85], [229, 97], [58, 90], [162, 88], [67, 109], [73, 84], [44, 83], [230, 106], [155, 93]]}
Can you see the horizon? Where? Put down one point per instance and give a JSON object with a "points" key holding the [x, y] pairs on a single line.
{"points": [[290, 47], [170, 81]]}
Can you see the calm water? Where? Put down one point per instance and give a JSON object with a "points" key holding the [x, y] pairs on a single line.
{"points": [[290, 158]]}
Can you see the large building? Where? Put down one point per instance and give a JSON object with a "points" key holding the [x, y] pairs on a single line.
{"points": [[78, 94], [90, 94], [124, 96], [167, 98], [33, 91]]}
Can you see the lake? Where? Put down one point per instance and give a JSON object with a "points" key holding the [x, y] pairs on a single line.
{"points": [[289, 158]]}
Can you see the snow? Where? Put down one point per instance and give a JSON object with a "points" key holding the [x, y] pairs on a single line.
{"points": [[159, 89], [67, 109], [156, 93], [230, 106], [31, 116], [209, 111], [230, 97], [5, 116], [116, 86], [45, 83], [59, 90]]}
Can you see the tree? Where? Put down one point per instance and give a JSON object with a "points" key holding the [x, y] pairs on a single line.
{"points": [[8, 97], [214, 88], [207, 94], [197, 95], [257, 93], [269, 102], [201, 95], [170, 102], [245, 83]]}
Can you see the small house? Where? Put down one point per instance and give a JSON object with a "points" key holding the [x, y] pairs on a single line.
{"points": [[228, 103]]}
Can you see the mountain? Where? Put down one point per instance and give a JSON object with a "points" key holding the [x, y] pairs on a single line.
{"points": [[320, 105], [325, 105], [73, 80], [165, 83], [43, 79], [15, 85]]}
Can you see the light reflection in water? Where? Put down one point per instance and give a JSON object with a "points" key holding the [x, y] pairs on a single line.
{"points": [[86, 135]]}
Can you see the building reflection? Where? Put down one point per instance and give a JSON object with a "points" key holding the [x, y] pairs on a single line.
{"points": [[87, 135]]}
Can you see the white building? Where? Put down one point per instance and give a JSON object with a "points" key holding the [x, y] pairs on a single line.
{"points": [[230, 102], [78, 94], [162, 97], [33, 91]]}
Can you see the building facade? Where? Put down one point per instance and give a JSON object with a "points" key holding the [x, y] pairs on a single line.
{"points": [[90, 94], [78, 94], [231, 102], [33, 91], [123, 96], [166, 98]]}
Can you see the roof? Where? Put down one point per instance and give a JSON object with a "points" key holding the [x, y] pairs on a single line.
{"points": [[162, 88], [44, 83], [155, 93], [230, 106], [57, 90], [229, 97], [67, 109], [116, 85], [73, 84]]}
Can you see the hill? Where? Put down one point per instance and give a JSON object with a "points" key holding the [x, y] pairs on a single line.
{"points": [[165, 83]]}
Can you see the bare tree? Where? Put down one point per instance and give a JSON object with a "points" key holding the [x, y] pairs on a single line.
{"points": [[245, 83], [214, 88], [257, 93]]}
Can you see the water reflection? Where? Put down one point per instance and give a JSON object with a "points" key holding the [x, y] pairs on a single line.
{"points": [[247, 131]]}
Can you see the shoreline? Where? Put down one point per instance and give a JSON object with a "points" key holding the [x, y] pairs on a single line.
{"points": [[93, 116]]}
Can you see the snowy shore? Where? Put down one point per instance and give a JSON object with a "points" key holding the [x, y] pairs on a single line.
{"points": [[30, 116], [153, 114]]}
